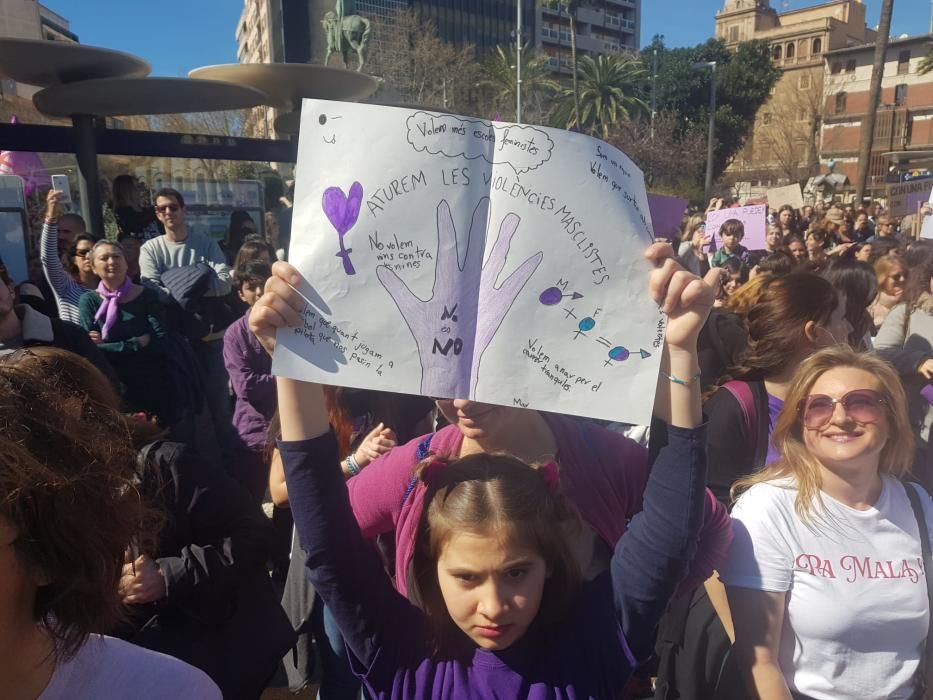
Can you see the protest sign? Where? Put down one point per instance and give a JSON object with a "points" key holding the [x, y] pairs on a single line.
{"points": [[456, 257], [790, 194], [926, 229], [667, 215], [754, 219], [903, 197]]}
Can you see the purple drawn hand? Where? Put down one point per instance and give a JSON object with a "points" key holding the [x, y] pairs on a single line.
{"points": [[450, 338], [342, 211]]}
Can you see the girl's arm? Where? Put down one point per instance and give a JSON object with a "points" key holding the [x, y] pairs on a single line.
{"points": [[653, 556], [344, 569], [758, 617]]}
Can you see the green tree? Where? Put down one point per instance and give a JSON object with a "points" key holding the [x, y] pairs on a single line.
{"points": [[609, 89], [498, 77], [744, 81], [570, 7], [926, 65]]}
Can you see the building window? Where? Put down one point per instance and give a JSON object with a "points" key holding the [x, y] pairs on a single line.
{"points": [[733, 34], [900, 95], [805, 81], [766, 118], [776, 52], [841, 98], [789, 51], [850, 65], [803, 116], [817, 46], [836, 68], [903, 63]]}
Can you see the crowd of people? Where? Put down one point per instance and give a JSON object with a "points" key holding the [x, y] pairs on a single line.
{"points": [[177, 522]]}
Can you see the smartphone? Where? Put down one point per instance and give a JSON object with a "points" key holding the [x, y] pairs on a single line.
{"points": [[60, 182]]}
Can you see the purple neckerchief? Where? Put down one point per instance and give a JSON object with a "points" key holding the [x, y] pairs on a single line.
{"points": [[108, 310]]}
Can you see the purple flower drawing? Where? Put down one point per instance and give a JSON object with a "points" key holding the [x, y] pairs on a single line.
{"points": [[342, 211]]}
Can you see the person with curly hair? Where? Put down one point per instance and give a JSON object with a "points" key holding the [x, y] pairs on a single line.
{"points": [[68, 512]]}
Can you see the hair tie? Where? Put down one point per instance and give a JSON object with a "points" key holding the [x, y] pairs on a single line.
{"points": [[551, 476]]}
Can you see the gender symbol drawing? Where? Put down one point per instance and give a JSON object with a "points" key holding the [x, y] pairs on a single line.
{"points": [[342, 211], [457, 323], [617, 353]]}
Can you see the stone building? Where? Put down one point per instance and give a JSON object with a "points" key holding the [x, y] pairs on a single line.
{"points": [[28, 19], [784, 144], [905, 112]]}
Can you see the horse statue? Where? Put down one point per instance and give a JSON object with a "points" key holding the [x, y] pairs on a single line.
{"points": [[349, 32]]}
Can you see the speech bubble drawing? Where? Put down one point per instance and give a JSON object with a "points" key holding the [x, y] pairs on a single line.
{"points": [[524, 148]]}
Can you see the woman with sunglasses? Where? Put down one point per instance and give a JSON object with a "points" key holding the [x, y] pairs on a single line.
{"points": [[825, 578], [71, 275], [891, 273], [906, 339]]}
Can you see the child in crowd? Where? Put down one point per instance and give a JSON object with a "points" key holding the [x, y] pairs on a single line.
{"points": [[250, 370], [731, 234], [499, 609]]}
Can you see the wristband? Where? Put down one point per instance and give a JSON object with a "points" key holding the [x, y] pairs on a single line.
{"points": [[353, 467], [683, 382]]}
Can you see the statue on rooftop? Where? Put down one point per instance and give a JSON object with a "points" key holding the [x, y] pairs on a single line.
{"points": [[346, 31]]}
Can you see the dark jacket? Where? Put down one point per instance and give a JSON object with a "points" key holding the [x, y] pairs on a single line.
{"points": [[720, 345], [220, 612]]}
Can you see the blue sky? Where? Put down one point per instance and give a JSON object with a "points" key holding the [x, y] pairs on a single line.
{"points": [[178, 35]]}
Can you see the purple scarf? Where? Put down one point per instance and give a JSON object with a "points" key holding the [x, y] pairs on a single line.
{"points": [[108, 310]]}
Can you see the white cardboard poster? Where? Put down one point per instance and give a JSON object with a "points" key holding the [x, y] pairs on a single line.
{"points": [[454, 257]]}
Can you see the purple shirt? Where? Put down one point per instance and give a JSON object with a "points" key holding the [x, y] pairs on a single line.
{"points": [[250, 370], [774, 409], [590, 653]]}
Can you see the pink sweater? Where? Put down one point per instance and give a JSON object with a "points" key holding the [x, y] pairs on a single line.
{"points": [[603, 473]]}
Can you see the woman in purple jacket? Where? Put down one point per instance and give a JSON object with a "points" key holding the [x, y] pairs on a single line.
{"points": [[501, 612]]}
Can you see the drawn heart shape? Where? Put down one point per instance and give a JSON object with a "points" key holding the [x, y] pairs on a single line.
{"points": [[343, 210]]}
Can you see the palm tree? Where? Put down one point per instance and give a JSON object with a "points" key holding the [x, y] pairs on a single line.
{"points": [[608, 89], [570, 7], [498, 76], [874, 97]]}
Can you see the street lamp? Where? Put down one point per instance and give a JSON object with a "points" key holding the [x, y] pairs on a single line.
{"points": [[711, 65]]}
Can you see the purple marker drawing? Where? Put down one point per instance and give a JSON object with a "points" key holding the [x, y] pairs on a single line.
{"points": [[342, 211]]}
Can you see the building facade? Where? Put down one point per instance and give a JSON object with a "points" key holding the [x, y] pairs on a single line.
{"points": [[783, 146], [905, 113], [28, 19], [603, 26], [254, 38]]}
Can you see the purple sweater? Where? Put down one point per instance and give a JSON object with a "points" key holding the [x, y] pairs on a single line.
{"points": [[590, 654], [250, 370]]}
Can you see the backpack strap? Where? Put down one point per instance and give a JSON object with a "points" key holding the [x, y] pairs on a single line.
{"points": [[742, 393], [917, 507]]}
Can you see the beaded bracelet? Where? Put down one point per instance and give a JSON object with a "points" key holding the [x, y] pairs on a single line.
{"points": [[353, 467], [695, 378]]}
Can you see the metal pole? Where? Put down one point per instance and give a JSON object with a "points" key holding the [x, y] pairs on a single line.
{"points": [[654, 89], [518, 62], [712, 130], [88, 177]]}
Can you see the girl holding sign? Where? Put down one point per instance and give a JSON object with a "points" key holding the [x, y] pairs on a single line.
{"points": [[499, 607]]}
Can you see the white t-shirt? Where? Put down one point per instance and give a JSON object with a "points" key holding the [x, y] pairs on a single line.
{"points": [[856, 609], [111, 668]]}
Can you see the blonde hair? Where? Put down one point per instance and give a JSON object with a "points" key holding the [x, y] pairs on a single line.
{"points": [[797, 463]]}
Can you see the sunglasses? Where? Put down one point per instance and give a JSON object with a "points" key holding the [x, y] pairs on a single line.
{"points": [[82, 252], [861, 405], [167, 208]]}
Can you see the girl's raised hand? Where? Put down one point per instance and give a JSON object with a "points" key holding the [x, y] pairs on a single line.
{"points": [[280, 306], [379, 441], [684, 297]]}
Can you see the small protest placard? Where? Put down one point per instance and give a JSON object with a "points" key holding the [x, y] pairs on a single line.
{"points": [[667, 215], [754, 218]]}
